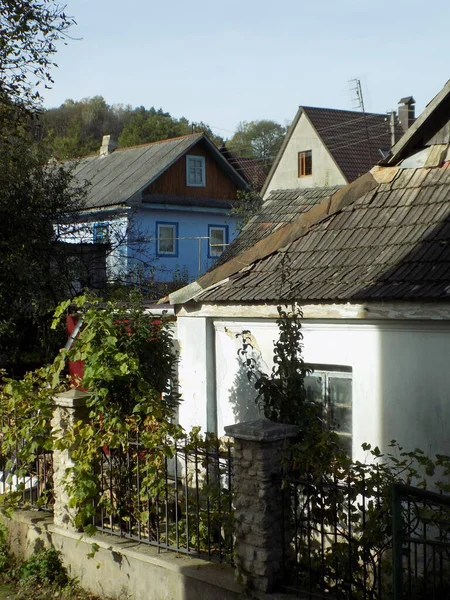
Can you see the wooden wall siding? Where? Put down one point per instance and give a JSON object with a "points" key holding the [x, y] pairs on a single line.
{"points": [[173, 181]]}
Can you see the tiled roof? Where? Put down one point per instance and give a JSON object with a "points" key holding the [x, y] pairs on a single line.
{"points": [[281, 207], [188, 201], [251, 169], [392, 242], [356, 141]]}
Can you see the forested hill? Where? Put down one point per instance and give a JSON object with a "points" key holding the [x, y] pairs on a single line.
{"points": [[76, 128]]}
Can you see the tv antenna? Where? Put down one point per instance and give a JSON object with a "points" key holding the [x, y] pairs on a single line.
{"points": [[359, 99]]}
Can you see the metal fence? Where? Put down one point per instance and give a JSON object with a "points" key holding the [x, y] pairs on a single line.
{"points": [[178, 500], [30, 482], [330, 550], [421, 544]]}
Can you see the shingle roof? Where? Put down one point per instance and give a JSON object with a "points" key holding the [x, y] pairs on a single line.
{"points": [[356, 141], [281, 207], [392, 242], [118, 178]]}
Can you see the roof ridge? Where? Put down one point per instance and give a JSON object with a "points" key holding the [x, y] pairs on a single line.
{"points": [[179, 137], [353, 112]]}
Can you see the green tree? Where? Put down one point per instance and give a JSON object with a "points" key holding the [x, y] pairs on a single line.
{"points": [[29, 33], [258, 139], [35, 273]]}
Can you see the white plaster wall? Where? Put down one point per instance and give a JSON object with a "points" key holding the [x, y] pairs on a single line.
{"points": [[324, 169], [401, 380]]}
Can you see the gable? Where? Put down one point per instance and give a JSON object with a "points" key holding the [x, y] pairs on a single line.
{"points": [[324, 169], [172, 182]]}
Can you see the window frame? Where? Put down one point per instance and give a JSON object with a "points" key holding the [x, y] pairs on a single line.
{"points": [[302, 164], [162, 253], [190, 157], [224, 229], [100, 238], [328, 372]]}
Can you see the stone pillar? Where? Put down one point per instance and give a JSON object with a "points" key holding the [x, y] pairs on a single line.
{"points": [[258, 501], [70, 407]]}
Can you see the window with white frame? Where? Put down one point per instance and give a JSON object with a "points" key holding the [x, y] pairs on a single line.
{"points": [[195, 171], [167, 243], [332, 385], [101, 233], [218, 239]]}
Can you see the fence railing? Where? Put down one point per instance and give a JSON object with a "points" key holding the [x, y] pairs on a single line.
{"points": [[180, 502], [329, 549], [421, 544], [31, 482]]}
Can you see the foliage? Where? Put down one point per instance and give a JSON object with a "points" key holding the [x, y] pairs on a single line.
{"points": [[129, 370], [75, 128], [249, 203], [258, 139], [36, 273], [40, 577], [29, 31]]}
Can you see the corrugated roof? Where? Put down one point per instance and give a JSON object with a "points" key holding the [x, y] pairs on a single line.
{"points": [[391, 242], [281, 207], [117, 178]]}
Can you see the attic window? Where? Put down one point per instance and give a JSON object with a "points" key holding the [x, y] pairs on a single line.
{"points": [[305, 163], [195, 171]]}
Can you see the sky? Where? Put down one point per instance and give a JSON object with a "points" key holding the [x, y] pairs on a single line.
{"points": [[223, 62]]}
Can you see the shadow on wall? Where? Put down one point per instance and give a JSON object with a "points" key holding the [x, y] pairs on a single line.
{"points": [[242, 395]]}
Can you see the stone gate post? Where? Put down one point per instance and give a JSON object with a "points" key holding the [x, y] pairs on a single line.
{"points": [[70, 407], [258, 500]]}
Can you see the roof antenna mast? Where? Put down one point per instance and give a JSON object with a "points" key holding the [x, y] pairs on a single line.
{"points": [[360, 105]]}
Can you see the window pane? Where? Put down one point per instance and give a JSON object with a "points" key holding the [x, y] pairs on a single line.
{"points": [[216, 241], [166, 241], [314, 388], [340, 390], [341, 419], [308, 162]]}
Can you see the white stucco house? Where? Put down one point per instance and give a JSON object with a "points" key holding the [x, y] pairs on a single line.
{"points": [[369, 265], [331, 147]]}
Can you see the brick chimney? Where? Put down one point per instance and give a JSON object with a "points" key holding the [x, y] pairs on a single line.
{"points": [[406, 112], [109, 144]]}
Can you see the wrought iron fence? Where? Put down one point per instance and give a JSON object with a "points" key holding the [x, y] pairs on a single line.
{"points": [[30, 482], [329, 547], [179, 500], [421, 544]]}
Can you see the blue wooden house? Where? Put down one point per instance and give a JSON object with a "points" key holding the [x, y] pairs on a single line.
{"points": [[164, 208]]}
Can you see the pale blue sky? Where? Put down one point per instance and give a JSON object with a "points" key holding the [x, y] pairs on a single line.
{"points": [[240, 60]]}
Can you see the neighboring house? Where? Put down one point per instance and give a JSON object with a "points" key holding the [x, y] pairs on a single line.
{"points": [[370, 268], [164, 207], [250, 169], [329, 147]]}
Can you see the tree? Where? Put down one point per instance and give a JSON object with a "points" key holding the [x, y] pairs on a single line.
{"points": [[29, 31], [36, 273], [258, 139]]}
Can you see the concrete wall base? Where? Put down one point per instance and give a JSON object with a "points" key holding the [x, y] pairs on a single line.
{"points": [[123, 569]]}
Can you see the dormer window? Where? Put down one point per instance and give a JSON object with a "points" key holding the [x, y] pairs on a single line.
{"points": [[195, 171]]}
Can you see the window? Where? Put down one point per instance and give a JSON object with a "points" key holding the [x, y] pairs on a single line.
{"points": [[101, 233], [332, 385], [195, 171], [305, 163], [218, 239], [167, 243]]}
